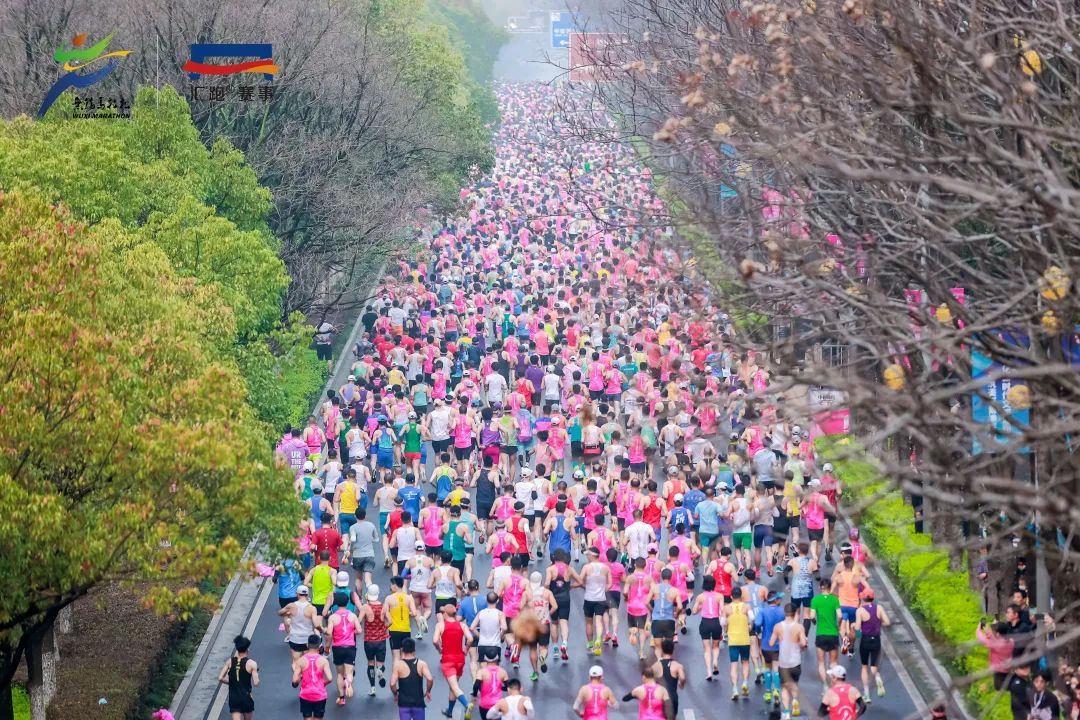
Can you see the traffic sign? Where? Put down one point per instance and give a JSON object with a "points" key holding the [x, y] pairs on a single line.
{"points": [[562, 24]]}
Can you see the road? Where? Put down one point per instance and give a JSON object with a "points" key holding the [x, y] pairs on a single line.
{"points": [[553, 694]]}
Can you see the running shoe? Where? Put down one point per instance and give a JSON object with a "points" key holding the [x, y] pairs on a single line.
{"points": [[506, 651], [785, 715], [768, 696], [614, 641], [386, 562], [735, 695], [880, 688], [341, 702], [468, 712], [543, 663], [597, 649], [563, 653], [708, 676], [716, 671], [371, 692], [380, 673], [535, 676], [795, 711], [745, 689], [446, 714]]}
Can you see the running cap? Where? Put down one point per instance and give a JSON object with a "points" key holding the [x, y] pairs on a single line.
{"points": [[309, 466], [868, 594], [519, 506], [316, 486], [412, 416], [373, 592], [654, 548], [352, 378], [596, 671], [526, 471], [579, 474], [302, 590], [342, 579], [672, 470], [420, 545], [399, 500], [827, 467], [678, 497], [814, 482], [845, 549], [837, 671]]}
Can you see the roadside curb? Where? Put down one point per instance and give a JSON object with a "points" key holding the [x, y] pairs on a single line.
{"points": [[200, 695]]}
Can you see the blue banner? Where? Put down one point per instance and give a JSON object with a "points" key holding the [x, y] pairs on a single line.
{"points": [[998, 405], [562, 24]]}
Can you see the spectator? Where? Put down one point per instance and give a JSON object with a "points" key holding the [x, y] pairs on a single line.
{"points": [[1001, 648]]}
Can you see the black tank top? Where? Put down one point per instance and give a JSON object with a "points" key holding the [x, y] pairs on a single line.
{"points": [[239, 678], [560, 587], [411, 688], [669, 681]]}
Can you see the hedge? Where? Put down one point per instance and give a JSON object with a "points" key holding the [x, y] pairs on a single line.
{"points": [[920, 571]]}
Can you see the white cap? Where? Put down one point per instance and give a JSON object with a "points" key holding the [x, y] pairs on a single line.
{"points": [[837, 671], [827, 467], [526, 471], [672, 470], [420, 545], [814, 482], [302, 590], [372, 592], [309, 466], [596, 671], [678, 497], [316, 486], [342, 579]]}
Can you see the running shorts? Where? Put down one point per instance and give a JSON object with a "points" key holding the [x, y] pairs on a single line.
{"points": [[595, 607], [312, 708], [375, 651], [762, 536], [452, 666], [345, 655], [663, 629], [847, 613], [397, 637], [741, 540], [816, 533], [790, 676], [636, 621], [710, 629], [828, 643], [738, 652], [870, 650]]}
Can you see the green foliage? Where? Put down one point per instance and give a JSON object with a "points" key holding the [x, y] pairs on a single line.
{"points": [[921, 571], [21, 701], [430, 43], [150, 183], [128, 449], [479, 41], [204, 208]]}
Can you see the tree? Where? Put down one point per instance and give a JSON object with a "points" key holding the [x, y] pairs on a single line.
{"points": [[127, 453], [894, 181]]}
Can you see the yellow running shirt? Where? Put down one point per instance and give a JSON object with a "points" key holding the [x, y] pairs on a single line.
{"points": [[738, 625], [399, 613]]}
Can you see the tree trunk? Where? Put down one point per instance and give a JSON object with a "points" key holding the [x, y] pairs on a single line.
{"points": [[41, 658], [7, 708]]}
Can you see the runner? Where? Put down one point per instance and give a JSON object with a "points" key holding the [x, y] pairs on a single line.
{"points": [[302, 620], [342, 627], [514, 706], [452, 639], [375, 636], [736, 619], [488, 685], [870, 619], [670, 673], [411, 683], [398, 611], [595, 699], [825, 611], [311, 673], [596, 579], [841, 701], [790, 638], [709, 605], [241, 674], [653, 699]]}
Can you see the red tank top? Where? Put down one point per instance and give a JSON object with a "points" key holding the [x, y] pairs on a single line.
{"points": [[519, 535], [723, 580], [451, 641], [375, 629], [651, 513], [844, 709]]}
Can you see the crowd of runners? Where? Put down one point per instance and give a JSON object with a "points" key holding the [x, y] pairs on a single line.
{"points": [[544, 390]]}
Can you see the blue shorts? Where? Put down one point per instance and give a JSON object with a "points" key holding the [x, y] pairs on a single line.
{"points": [[386, 458], [738, 652], [847, 613]]}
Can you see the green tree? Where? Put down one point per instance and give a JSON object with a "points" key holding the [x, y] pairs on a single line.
{"points": [[127, 452]]}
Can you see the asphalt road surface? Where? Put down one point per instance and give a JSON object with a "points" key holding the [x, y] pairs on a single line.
{"points": [[553, 695]]}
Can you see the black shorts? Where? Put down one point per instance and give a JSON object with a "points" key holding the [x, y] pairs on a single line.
{"points": [[460, 565], [710, 629], [595, 607], [508, 450], [488, 651], [818, 534], [375, 651], [433, 550], [638, 468], [344, 655], [575, 448], [780, 528], [770, 656], [440, 446], [324, 352], [463, 453], [830, 518], [663, 629], [241, 703], [620, 523], [298, 647], [563, 611], [870, 650], [790, 676], [636, 621], [828, 643], [544, 638], [440, 602], [282, 602], [312, 708], [483, 510], [396, 638], [596, 394], [614, 599]]}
